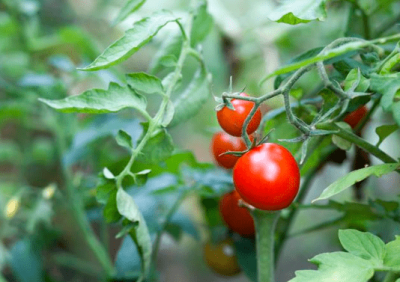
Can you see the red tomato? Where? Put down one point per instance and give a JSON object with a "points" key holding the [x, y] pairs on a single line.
{"points": [[267, 177], [223, 142], [355, 117], [232, 121], [236, 218]]}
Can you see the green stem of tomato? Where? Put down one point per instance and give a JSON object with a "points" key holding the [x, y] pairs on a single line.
{"points": [[265, 222]]}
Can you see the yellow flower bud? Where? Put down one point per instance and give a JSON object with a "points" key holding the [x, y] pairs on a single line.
{"points": [[49, 191], [12, 207]]}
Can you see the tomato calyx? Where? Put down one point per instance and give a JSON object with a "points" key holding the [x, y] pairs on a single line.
{"points": [[225, 101]]}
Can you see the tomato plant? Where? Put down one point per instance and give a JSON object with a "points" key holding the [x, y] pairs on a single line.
{"points": [[221, 257], [105, 170], [232, 120], [222, 143], [237, 218], [267, 177]]}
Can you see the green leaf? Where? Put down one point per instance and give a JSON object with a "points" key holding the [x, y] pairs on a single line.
{"points": [[158, 148], [339, 141], [308, 54], [384, 131], [355, 176], [335, 52], [170, 47], [202, 25], [396, 112], [169, 114], [124, 139], [364, 245], [135, 38], [392, 258], [387, 85], [145, 82], [338, 266], [140, 234], [110, 211], [96, 101], [355, 77], [299, 11], [190, 101], [129, 7]]}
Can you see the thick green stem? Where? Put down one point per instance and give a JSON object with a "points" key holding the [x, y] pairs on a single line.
{"points": [[265, 223]]}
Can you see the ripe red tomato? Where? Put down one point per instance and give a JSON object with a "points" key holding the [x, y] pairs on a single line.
{"points": [[222, 257], [356, 116], [238, 219], [267, 177], [232, 121], [223, 142]]}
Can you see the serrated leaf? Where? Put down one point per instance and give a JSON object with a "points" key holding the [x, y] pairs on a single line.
{"points": [[337, 266], [392, 257], [202, 25], [384, 131], [355, 79], [140, 234], [355, 176], [158, 148], [145, 82], [299, 11], [304, 148], [96, 101], [135, 38], [168, 114], [364, 245], [190, 101], [387, 85], [124, 139], [129, 7]]}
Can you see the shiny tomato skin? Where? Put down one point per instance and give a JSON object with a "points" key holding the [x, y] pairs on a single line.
{"points": [[223, 142], [356, 116], [267, 177], [221, 258], [232, 121], [237, 219]]}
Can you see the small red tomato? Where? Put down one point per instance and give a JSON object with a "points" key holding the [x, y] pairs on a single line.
{"points": [[267, 177], [232, 121], [223, 142], [238, 219], [356, 116]]}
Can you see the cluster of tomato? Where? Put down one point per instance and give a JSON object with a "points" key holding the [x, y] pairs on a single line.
{"points": [[265, 176]]}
